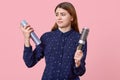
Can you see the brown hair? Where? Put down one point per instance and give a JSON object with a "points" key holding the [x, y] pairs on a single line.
{"points": [[71, 10]]}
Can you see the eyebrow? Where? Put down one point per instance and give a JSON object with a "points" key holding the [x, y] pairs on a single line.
{"points": [[60, 12]]}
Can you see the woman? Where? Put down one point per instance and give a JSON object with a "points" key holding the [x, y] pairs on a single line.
{"points": [[59, 47]]}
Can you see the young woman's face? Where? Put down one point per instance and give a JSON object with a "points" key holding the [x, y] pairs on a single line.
{"points": [[63, 18]]}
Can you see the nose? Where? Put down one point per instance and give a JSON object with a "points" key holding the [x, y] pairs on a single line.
{"points": [[59, 17]]}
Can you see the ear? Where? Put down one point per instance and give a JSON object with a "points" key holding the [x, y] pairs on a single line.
{"points": [[71, 18]]}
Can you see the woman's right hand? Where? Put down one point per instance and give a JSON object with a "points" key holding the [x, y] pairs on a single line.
{"points": [[26, 30]]}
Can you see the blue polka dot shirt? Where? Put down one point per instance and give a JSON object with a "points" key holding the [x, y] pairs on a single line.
{"points": [[58, 48]]}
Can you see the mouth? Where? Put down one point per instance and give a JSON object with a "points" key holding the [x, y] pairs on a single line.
{"points": [[59, 22]]}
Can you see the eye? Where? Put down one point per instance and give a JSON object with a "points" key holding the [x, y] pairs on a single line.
{"points": [[56, 14], [63, 14]]}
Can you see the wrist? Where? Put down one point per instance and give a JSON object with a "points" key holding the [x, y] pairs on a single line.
{"points": [[27, 42]]}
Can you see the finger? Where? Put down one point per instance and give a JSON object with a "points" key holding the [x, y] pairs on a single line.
{"points": [[22, 29], [79, 54], [30, 30], [76, 55], [77, 61], [25, 27], [79, 51], [77, 58]]}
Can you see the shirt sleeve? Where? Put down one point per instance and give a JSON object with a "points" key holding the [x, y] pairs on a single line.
{"points": [[79, 71], [32, 57]]}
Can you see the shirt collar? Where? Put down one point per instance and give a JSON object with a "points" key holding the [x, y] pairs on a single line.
{"points": [[60, 33]]}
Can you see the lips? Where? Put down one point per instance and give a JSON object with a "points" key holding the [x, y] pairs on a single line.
{"points": [[59, 22]]}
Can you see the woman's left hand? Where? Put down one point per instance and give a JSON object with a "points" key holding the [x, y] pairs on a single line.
{"points": [[78, 56]]}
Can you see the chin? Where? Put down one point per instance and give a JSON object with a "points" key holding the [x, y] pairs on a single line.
{"points": [[61, 26]]}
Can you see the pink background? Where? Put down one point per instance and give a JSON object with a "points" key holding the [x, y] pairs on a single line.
{"points": [[101, 16]]}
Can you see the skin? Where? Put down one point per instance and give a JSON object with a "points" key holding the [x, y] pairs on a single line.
{"points": [[63, 20]]}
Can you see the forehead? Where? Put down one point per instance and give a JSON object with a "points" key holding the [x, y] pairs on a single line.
{"points": [[61, 10]]}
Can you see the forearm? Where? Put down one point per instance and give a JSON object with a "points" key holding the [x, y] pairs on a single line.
{"points": [[28, 56], [32, 57], [79, 68], [27, 42]]}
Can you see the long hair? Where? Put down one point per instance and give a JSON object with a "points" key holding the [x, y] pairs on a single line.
{"points": [[71, 10]]}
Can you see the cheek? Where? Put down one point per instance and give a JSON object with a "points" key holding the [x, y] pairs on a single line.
{"points": [[67, 20]]}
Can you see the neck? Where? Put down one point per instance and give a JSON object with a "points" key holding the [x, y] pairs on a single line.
{"points": [[65, 29]]}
